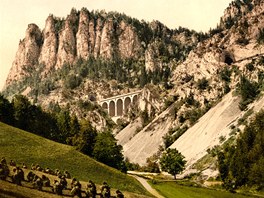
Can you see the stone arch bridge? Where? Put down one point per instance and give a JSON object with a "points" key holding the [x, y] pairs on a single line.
{"points": [[117, 106]]}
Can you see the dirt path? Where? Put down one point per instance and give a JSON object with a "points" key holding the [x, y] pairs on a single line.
{"points": [[147, 186]]}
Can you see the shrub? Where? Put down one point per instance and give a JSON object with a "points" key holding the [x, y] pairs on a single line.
{"points": [[229, 23], [72, 81], [194, 114], [260, 38], [202, 83], [222, 139], [225, 74], [250, 66], [248, 91], [190, 101], [170, 100], [167, 140], [226, 88], [242, 41]]}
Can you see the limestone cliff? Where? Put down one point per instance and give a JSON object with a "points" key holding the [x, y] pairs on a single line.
{"points": [[67, 41], [48, 54], [84, 35], [27, 54]]}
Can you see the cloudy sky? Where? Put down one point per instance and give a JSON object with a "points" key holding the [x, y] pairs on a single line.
{"points": [[15, 15]]}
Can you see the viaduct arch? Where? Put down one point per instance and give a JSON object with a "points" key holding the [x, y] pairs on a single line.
{"points": [[117, 106]]}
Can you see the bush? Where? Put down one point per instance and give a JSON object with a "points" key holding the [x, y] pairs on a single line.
{"points": [[250, 67], [190, 101], [172, 135], [72, 81], [229, 23], [202, 83], [248, 91], [226, 88], [167, 140], [242, 41], [170, 100], [222, 139], [152, 165], [260, 38], [122, 123], [225, 74], [194, 114]]}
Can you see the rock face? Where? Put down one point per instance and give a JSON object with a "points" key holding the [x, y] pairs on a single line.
{"points": [[48, 54], [85, 34], [27, 54], [107, 34], [128, 42], [82, 36], [67, 41]]}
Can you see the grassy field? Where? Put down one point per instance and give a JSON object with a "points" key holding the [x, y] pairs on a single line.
{"points": [[24, 147], [174, 190]]}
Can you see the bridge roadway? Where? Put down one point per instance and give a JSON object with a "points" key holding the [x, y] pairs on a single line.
{"points": [[118, 105]]}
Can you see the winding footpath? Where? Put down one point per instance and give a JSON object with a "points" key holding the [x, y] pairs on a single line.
{"points": [[147, 186]]}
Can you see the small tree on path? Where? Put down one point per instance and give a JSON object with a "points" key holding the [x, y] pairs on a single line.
{"points": [[172, 161]]}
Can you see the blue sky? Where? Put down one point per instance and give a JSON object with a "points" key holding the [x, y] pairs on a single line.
{"points": [[15, 15]]}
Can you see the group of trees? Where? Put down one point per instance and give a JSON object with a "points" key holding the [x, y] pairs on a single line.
{"points": [[58, 125], [242, 164], [129, 72]]}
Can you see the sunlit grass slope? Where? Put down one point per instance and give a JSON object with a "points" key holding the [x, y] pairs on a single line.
{"points": [[174, 190], [25, 147]]}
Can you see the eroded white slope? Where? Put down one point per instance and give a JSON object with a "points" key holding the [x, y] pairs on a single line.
{"points": [[215, 123], [128, 132], [139, 146]]}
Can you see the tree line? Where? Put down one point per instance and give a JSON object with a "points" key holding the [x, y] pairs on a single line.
{"points": [[242, 164], [60, 126]]}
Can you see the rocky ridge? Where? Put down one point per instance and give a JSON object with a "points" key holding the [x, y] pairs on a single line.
{"points": [[85, 34]]}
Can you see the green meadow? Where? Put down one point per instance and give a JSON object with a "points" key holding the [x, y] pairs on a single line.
{"points": [[24, 147], [174, 190]]}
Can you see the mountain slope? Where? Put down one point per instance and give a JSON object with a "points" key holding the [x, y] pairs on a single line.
{"points": [[216, 123], [193, 144], [210, 71], [24, 147]]}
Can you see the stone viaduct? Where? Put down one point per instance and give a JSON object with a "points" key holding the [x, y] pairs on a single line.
{"points": [[117, 106]]}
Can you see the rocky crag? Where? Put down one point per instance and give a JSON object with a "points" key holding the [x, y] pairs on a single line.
{"points": [[81, 57], [85, 34]]}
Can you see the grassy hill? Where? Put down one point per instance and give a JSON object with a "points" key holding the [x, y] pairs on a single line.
{"points": [[24, 147]]}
